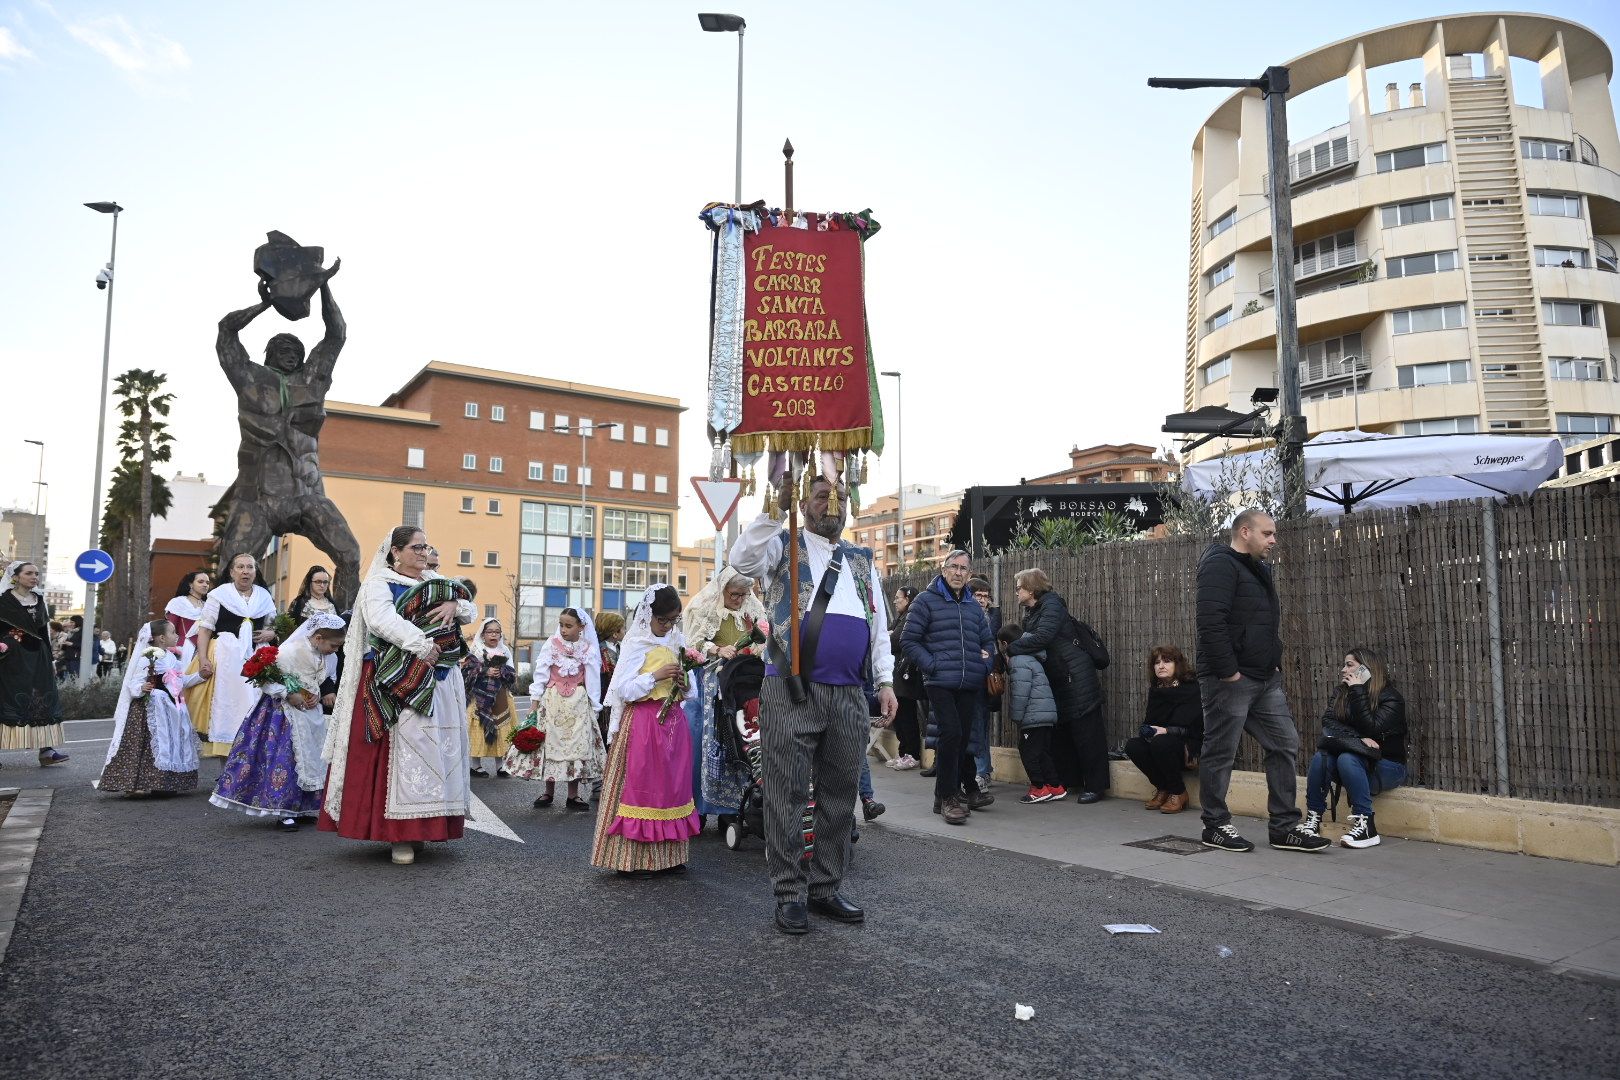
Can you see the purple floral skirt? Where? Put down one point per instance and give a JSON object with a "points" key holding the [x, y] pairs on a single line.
{"points": [[261, 776]]}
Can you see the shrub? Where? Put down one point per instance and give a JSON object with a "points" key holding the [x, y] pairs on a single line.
{"points": [[95, 699]]}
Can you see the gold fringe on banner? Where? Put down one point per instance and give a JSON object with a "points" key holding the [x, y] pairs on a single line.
{"points": [[810, 442]]}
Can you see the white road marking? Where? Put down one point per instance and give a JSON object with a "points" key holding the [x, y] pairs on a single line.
{"points": [[484, 820]]}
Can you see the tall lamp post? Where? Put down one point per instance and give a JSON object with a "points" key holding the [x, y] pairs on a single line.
{"points": [[585, 432], [88, 644], [39, 481], [1273, 84], [900, 472]]}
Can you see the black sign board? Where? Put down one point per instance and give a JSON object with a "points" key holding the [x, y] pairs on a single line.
{"points": [[989, 517]]}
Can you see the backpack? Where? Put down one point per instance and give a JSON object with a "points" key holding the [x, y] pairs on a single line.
{"points": [[1089, 642]]}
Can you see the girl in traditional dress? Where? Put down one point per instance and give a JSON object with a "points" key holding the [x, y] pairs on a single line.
{"points": [[185, 608], [153, 749], [567, 674], [234, 621], [398, 738], [315, 594], [719, 623], [30, 710], [275, 768], [489, 674], [646, 819]]}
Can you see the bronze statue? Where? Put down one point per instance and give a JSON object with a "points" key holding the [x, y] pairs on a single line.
{"points": [[281, 407]]}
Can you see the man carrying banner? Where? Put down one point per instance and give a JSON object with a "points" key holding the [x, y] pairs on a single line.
{"points": [[815, 725]]}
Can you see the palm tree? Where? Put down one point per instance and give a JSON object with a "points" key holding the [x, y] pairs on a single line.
{"points": [[145, 439], [126, 605]]}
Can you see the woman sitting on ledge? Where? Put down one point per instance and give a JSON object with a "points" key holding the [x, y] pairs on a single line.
{"points": [[1363, 746], [1172, 731]]}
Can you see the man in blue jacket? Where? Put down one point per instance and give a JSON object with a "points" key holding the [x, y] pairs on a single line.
{"points": [[948, 637]]}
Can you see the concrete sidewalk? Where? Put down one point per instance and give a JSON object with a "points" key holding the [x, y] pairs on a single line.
{"points": [[1561, 915]]}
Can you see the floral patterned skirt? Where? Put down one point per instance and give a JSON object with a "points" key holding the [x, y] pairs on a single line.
{"points": [[261, 775], [573, 748], [132, 768]]}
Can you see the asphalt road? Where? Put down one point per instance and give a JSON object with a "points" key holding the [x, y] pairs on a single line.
{"points": [[171, 939]]}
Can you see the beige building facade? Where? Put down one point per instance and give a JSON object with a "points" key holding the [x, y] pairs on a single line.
{"points": [[1454, 252]]}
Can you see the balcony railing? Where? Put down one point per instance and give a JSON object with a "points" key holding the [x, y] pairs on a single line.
{"points": [[1329, 262], [1316, 162], [1606, 259], [1330, 370], [1585, 152]]}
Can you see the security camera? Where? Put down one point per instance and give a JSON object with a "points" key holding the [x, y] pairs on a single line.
{"points": [[104, 276]]}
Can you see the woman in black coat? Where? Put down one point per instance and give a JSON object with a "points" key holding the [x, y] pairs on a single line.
{"points": [[1172, 730], [908, 688], [1048, 630]]}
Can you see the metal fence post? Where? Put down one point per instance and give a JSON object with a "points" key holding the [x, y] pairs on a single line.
{"points": [[1490, 557]]}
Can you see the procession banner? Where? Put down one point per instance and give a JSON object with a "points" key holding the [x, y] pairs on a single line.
{"points": [[806, 383]]}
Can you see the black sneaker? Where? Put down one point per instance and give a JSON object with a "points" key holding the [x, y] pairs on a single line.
{"points": [[871, 809], [1299, 839], [1225, 838], [1363, 833]]}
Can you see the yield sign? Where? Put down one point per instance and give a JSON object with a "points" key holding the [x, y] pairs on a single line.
{"points": [[719, 498]]}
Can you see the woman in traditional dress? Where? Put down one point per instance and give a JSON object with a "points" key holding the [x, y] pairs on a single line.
{"points": [[719, 623], [185, 608], [646, 820], [567, 675], [153, 748], [30, 709], [489, 674], [315, 594], [275, 768], [398, 738], [234, 621]]}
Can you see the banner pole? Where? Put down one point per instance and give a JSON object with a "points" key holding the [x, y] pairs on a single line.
{"points": [[791, 480]]}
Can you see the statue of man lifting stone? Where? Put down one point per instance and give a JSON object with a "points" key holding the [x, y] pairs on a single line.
{"points": [[281, 407]]}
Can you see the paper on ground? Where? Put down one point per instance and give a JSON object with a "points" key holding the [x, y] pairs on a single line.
{"points": [[1023, 1012], [1130, 928]]}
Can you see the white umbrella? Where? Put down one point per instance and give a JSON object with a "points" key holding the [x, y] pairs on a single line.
{"points": [[1356, 470]]}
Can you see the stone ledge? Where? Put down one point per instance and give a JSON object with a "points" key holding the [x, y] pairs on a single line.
{"points": [[1588, 834]]}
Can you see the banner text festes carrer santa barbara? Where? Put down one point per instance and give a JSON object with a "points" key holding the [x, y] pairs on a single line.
{"points": [[804, 341]]}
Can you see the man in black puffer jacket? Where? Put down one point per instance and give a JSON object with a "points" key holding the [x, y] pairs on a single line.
{"points": [[1240, 681]]}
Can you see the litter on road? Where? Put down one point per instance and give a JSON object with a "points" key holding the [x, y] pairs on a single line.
{"points": [[1023, 1012], [1130, 928]]}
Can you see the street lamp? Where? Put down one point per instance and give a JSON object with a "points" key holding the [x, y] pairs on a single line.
{"points": [[900, 472], [104, 280], [724, 24], [1273, 84], [39, 482], [584, 431]]}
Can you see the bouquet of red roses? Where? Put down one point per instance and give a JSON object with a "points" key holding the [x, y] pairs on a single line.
{"points": [[759, 631], [528, 739], [261, 670], [689, 659]]}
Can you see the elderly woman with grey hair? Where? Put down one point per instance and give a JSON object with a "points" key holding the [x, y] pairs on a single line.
{"points": [[720, 622]]}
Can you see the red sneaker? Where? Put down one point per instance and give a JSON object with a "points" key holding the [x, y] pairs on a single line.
{"points": [[1056, 793], [1033, 795]]}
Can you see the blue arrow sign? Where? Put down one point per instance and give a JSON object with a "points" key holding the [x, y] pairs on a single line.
{"points": [[94, 566]]}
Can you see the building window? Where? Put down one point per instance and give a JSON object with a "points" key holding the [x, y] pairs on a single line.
{"points": [[1555, 204], [559, 474], [497, 413], [616, 478], [1569, 258], [470, 411], [1219, 319], [658, 528], [1221, 274], [1222, 223], [1411, 157], [1575, 369], [1412, 265], [680, 583], [489, 611], [1217, 369], [494, 506], [1547, 150], [1576, 428], [1482, 203], [1507, 425], [467, 504], [537, 420], [537, 470], [613, 524], [496, 464], [1568, 313], [469, 461], [585, 475], [661, 436], [616, 433], [415, 458], [414, 511], [1442, 373], [559, 420], [492, 558], [638, 481], [1448, 425], [1423, 319], [661, 485], [1411, 213], [464, 557], [639, 434], [1499, 371]]}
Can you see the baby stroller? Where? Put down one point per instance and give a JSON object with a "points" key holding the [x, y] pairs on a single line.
{"points": [[737, 724]]}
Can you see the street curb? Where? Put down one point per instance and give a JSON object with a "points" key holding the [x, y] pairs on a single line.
{"points": [[19, 839], [1383, 933]]}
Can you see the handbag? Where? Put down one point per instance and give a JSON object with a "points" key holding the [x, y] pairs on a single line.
{"points": [[995, 684], [1343, 744]]}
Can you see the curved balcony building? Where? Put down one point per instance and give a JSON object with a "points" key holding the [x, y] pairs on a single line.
{"points": [[1454, 252]]}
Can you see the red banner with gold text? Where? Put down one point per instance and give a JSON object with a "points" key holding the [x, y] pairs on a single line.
{"points": [[804, 340]]}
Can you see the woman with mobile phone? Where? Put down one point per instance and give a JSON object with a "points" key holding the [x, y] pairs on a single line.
{"points": [[1363, 746]]}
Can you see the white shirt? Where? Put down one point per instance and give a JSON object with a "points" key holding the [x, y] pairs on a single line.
{"points": [[758, 550]]}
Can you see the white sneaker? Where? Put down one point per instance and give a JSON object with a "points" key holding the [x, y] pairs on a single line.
{"points": [[984, 783], [907, 762]]}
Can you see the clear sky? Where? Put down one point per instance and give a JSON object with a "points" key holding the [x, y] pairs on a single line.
{"points": [[515, 185]]}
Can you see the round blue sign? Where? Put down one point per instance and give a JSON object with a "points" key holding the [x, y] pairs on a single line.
{"points": [[94, 566]]}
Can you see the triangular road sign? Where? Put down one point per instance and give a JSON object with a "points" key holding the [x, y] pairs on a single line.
{"points": [[719, 498]]}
